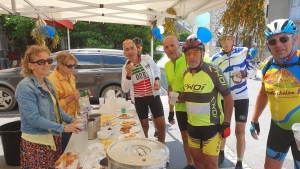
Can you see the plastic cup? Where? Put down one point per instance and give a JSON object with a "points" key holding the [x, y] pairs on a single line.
{"points": [[101, 101], [296, 131], [236, 69], [173, 97]]}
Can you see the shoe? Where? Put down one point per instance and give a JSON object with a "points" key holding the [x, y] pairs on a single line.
{"points": [[220, 159], [155, 134], [189, 167], [239, 165]]}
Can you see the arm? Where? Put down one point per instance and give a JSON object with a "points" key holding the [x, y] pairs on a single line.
{"points": [[126, 79], [261, 103], [171, 107], [228, 102]]}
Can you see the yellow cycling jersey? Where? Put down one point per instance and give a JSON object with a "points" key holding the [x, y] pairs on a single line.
{"points": [[202, 93], [282, 85]]}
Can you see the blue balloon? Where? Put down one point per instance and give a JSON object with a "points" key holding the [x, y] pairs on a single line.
{"points": [[155, 31], [203, 19], [48, 31], [159, 37], [204, 34]]}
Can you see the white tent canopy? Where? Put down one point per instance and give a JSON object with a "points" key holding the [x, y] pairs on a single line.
{"points": [[137, 12]]}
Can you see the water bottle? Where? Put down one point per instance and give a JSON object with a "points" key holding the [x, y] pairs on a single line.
{"points": [[81, 138]]}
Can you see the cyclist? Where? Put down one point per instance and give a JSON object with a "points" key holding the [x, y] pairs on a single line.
{"points": [[139, 45], [204, 85], [280, 87], [174, 70], [234, 62], [254, 53]]}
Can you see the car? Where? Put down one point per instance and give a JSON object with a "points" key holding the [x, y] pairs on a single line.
{"points": [[98, 70], [4, 63]]}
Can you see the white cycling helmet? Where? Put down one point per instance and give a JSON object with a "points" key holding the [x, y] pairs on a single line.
{"points": [[280, 26], [191, 36], [254, 45], [221, 31]]}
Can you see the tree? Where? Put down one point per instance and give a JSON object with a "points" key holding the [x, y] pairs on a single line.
{"points": [[183, 35], [109, 36]]}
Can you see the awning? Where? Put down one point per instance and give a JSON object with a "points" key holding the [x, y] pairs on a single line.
{"points": [[136, 12], [61, 24]]}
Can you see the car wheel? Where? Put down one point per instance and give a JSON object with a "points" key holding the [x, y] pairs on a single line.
{"points": [[118, 91], [7, 99]]}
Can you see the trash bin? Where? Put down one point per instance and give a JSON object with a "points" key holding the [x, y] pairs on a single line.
{"points": [[11, 137]]}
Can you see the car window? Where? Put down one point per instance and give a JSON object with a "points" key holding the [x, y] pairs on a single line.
{"points": [[88, 61], [114, 60]]}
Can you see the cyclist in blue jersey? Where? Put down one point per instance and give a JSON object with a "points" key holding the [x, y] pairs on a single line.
{"points": [[281, 89], [236, 65]]}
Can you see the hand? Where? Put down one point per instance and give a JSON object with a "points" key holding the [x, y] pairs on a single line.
{"points": [[76, 95], [129, 67], [171, 118], [73, 127], [156, 85], [254, 130], [225, 129]]}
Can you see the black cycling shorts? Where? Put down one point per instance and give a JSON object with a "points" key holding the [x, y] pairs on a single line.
{"points": [[279, 142], [182, 119], [142, 103], [240, 110]]}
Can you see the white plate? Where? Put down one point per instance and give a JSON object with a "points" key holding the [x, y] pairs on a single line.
{"points": [[136, 122], [97, 155], [96, 147], [123, 136], [130, 116], [134, 129]]}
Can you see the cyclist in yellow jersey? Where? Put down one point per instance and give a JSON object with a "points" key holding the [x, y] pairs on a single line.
{"points": [[174, 70], [204, 85], [281, 88]]}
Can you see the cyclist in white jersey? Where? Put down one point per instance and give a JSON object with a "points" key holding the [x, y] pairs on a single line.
{"points": [[236, 65]]}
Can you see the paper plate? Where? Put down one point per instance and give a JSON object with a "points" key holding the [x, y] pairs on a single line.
{"points": [[96, 147], [129, 122], [97, 155], [134, 129], [129, 135], [129, 115]]}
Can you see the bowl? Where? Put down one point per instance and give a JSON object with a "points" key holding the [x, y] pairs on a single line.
{"points": [[104, 134], [110, 128]]}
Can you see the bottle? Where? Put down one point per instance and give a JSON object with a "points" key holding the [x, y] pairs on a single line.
{"points": [[81, 138], [84, 100]]}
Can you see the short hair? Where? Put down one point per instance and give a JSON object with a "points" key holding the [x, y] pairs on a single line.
{"points": [[30, 54], [127, 41], [64, 57]]}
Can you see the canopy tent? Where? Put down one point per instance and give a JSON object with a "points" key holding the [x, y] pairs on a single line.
{"points": [[136, 12]]}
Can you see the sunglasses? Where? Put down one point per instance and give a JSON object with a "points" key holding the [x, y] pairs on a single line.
{"points": [[43, 61], [193, 53], [282, 39], [70, 66]]}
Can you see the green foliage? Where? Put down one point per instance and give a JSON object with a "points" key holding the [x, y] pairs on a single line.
{"points": [[157, 56], [17, 26], [183, 35]]}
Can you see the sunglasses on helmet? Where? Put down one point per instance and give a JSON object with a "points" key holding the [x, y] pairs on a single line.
{"points": [[43, 61], [282, 39], [70, 66]]}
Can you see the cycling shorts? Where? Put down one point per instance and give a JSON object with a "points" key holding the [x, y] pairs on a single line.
{"points": [[240, 110], [142, 103], [279, 142], [182, 120], [207, 138]]}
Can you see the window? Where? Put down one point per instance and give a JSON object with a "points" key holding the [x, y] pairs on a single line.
{"points": [[88, 61], [294, 2], [114, 60]]}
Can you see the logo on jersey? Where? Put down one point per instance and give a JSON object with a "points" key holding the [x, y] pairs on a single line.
{"points": [[214, 110], [196, 88], [219, 74], [142, 75]]}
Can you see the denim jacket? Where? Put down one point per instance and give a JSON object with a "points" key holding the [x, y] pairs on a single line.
{"points": [[37, 109]]}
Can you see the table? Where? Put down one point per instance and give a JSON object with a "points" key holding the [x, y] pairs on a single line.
{"points": [[83, 155]]}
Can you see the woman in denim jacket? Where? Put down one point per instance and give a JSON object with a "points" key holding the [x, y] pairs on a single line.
{"points": [[141, 76], [41, 115]]}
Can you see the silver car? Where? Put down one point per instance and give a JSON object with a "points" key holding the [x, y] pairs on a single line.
{"points": [[99, 70]]}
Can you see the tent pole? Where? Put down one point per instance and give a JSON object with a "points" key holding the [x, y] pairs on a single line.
{"points": [[152, 46], [68, 32]]}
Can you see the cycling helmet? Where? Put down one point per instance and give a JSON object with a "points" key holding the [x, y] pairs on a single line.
{"points": [[193, 43], [220, 33], [254, 45], [280, 26], [191, 36], [137, 41]]}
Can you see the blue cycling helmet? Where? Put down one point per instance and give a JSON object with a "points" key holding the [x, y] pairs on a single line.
{"points": [[280, 26]]}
